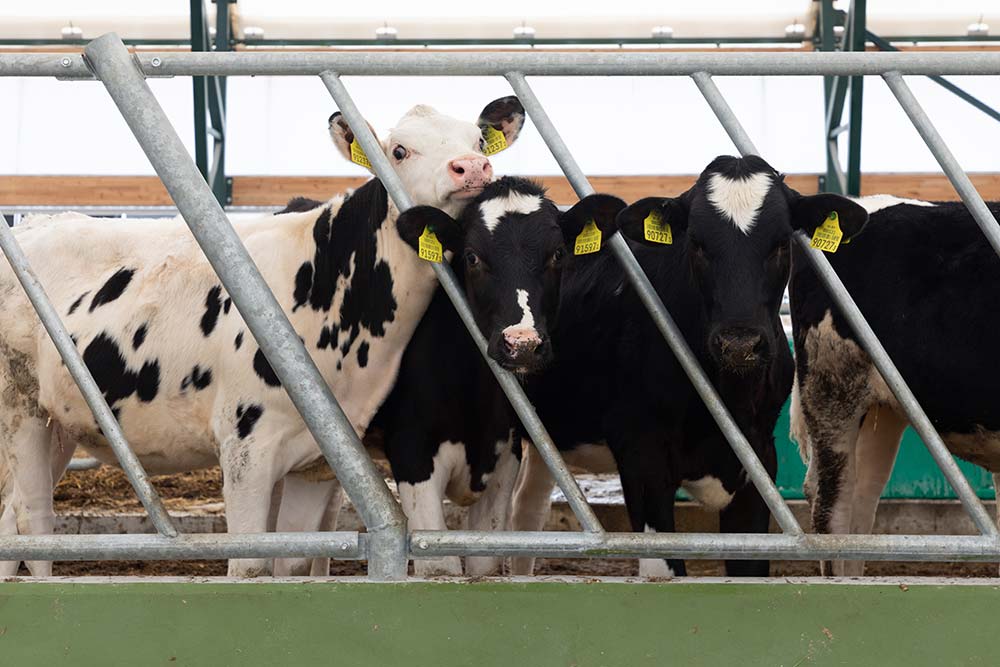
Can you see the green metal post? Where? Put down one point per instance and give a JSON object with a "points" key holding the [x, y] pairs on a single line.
{"points": [[217, 107], [834, 92], [857, 37], [199, 42]]}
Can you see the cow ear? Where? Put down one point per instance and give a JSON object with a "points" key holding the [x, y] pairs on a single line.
{"points": [[412, 222], [661, 210], [602, 209], [501, 122], [346, 142], [808, 212]]}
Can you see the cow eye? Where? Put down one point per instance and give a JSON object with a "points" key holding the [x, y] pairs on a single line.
{"points": [[482, 144], [471, 258], [399, 152], [557, 256]]}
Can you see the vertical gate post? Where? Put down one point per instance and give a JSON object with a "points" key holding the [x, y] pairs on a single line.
{"points": [[869, 341], [664, 322], [85, 381], [511, 387], [973, 201], [269, 325]]}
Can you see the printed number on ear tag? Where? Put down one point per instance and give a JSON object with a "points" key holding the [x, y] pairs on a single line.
{"points": [[656, 230], [495, 140], [827, 236], [588, 241], [428, 246], [358, 155]]}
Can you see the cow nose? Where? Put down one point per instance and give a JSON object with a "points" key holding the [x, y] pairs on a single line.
{"points": [[523, 346], [740, 347], [471, 172]]}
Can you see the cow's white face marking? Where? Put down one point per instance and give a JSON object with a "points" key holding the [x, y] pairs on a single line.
{"points": [[709, 492], [432, 140], [527, 317], [878, 202], [516, 202], [739, 199], [654, 567]]}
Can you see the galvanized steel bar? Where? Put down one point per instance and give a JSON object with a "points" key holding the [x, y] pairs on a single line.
{"points": [[714, 97], [190, 546], [870, 343], [973, 201], [269, 325], [249, 63], [85, 381], [83, 464], [708, 546], [664, 322], [511, 387]]}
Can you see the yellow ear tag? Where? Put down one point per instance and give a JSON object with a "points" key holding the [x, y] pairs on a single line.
{"points": [[828, 235], [495, 140], [358, 155], [428, 246], [588, 241], [656, 230]]}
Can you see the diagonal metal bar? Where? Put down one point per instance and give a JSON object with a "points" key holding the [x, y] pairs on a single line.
{"points": [[511, 387], [88, 387], [870, 342], [269, 325], [973, 201], [664, 322]]}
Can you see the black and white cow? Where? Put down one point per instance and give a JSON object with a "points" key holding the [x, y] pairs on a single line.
{"points": [[447, 427], [175, 361], [722, 280], [926, 280]]}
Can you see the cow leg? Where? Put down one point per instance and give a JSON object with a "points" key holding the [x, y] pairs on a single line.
{"points": [[532, 502], [423, 504], [660, 517], [491, 510], [746, 513], [878, 444], [27, 489], [304, 504]]}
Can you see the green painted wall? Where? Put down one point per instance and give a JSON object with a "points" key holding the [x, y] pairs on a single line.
{"points": [[538, 624]]}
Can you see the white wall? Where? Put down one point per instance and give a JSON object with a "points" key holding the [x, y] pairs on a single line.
{"points": [[277, 126]]}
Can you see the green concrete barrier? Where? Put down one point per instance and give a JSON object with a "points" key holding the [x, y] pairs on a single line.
{"points": [[485, 623]]}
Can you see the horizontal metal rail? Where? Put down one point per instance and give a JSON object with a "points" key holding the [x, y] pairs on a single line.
{"points": [[511, 387], [869, 341], [168, 63], [341, 545], [736, 546]]}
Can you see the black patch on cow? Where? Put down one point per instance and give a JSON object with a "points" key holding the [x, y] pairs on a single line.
{"points": [[239, 340], [264, 370], [363, 354], [76, 304], [246, 418], [139, 337], [113, 376], [226, 305], [324, 338], [213, 305], [113, 288], [831, 464], [198, 378], [300, 205], [303, 284], [339, 365]]}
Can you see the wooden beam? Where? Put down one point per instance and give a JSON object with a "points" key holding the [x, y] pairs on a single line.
{"points": [[72, 191]]}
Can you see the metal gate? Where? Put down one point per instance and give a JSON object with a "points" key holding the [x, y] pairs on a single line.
{"points": [[387, 545]]}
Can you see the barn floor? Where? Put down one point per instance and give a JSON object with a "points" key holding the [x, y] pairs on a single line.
{"points": [[106, 491]]}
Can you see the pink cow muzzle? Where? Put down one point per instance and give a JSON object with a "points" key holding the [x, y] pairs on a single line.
{"points": [[523, 348], [470, 175]]}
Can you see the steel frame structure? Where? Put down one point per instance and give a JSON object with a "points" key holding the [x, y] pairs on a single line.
{"points": [[386, 544]]}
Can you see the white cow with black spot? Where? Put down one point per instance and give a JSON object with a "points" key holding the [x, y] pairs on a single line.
{"points": [[175, 361]]}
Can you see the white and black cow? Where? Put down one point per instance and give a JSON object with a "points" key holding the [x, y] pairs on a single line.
{"points": [[447, 427], [722, 280], [175, 360], [926, 280]]}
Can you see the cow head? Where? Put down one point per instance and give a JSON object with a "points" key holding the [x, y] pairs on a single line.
{"points": [[732, 234], [440, 160], [511, 244]]}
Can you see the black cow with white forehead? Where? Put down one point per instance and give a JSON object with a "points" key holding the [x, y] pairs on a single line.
{"points": [[722, 280], [447, 428]]}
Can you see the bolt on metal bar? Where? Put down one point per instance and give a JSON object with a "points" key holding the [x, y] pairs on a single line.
{"points": [[737, 546], [269, 325], [869, 341], [973, 201], [85, 381], [511, 387], [664, 322], [250, 63], [341, 545]]}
